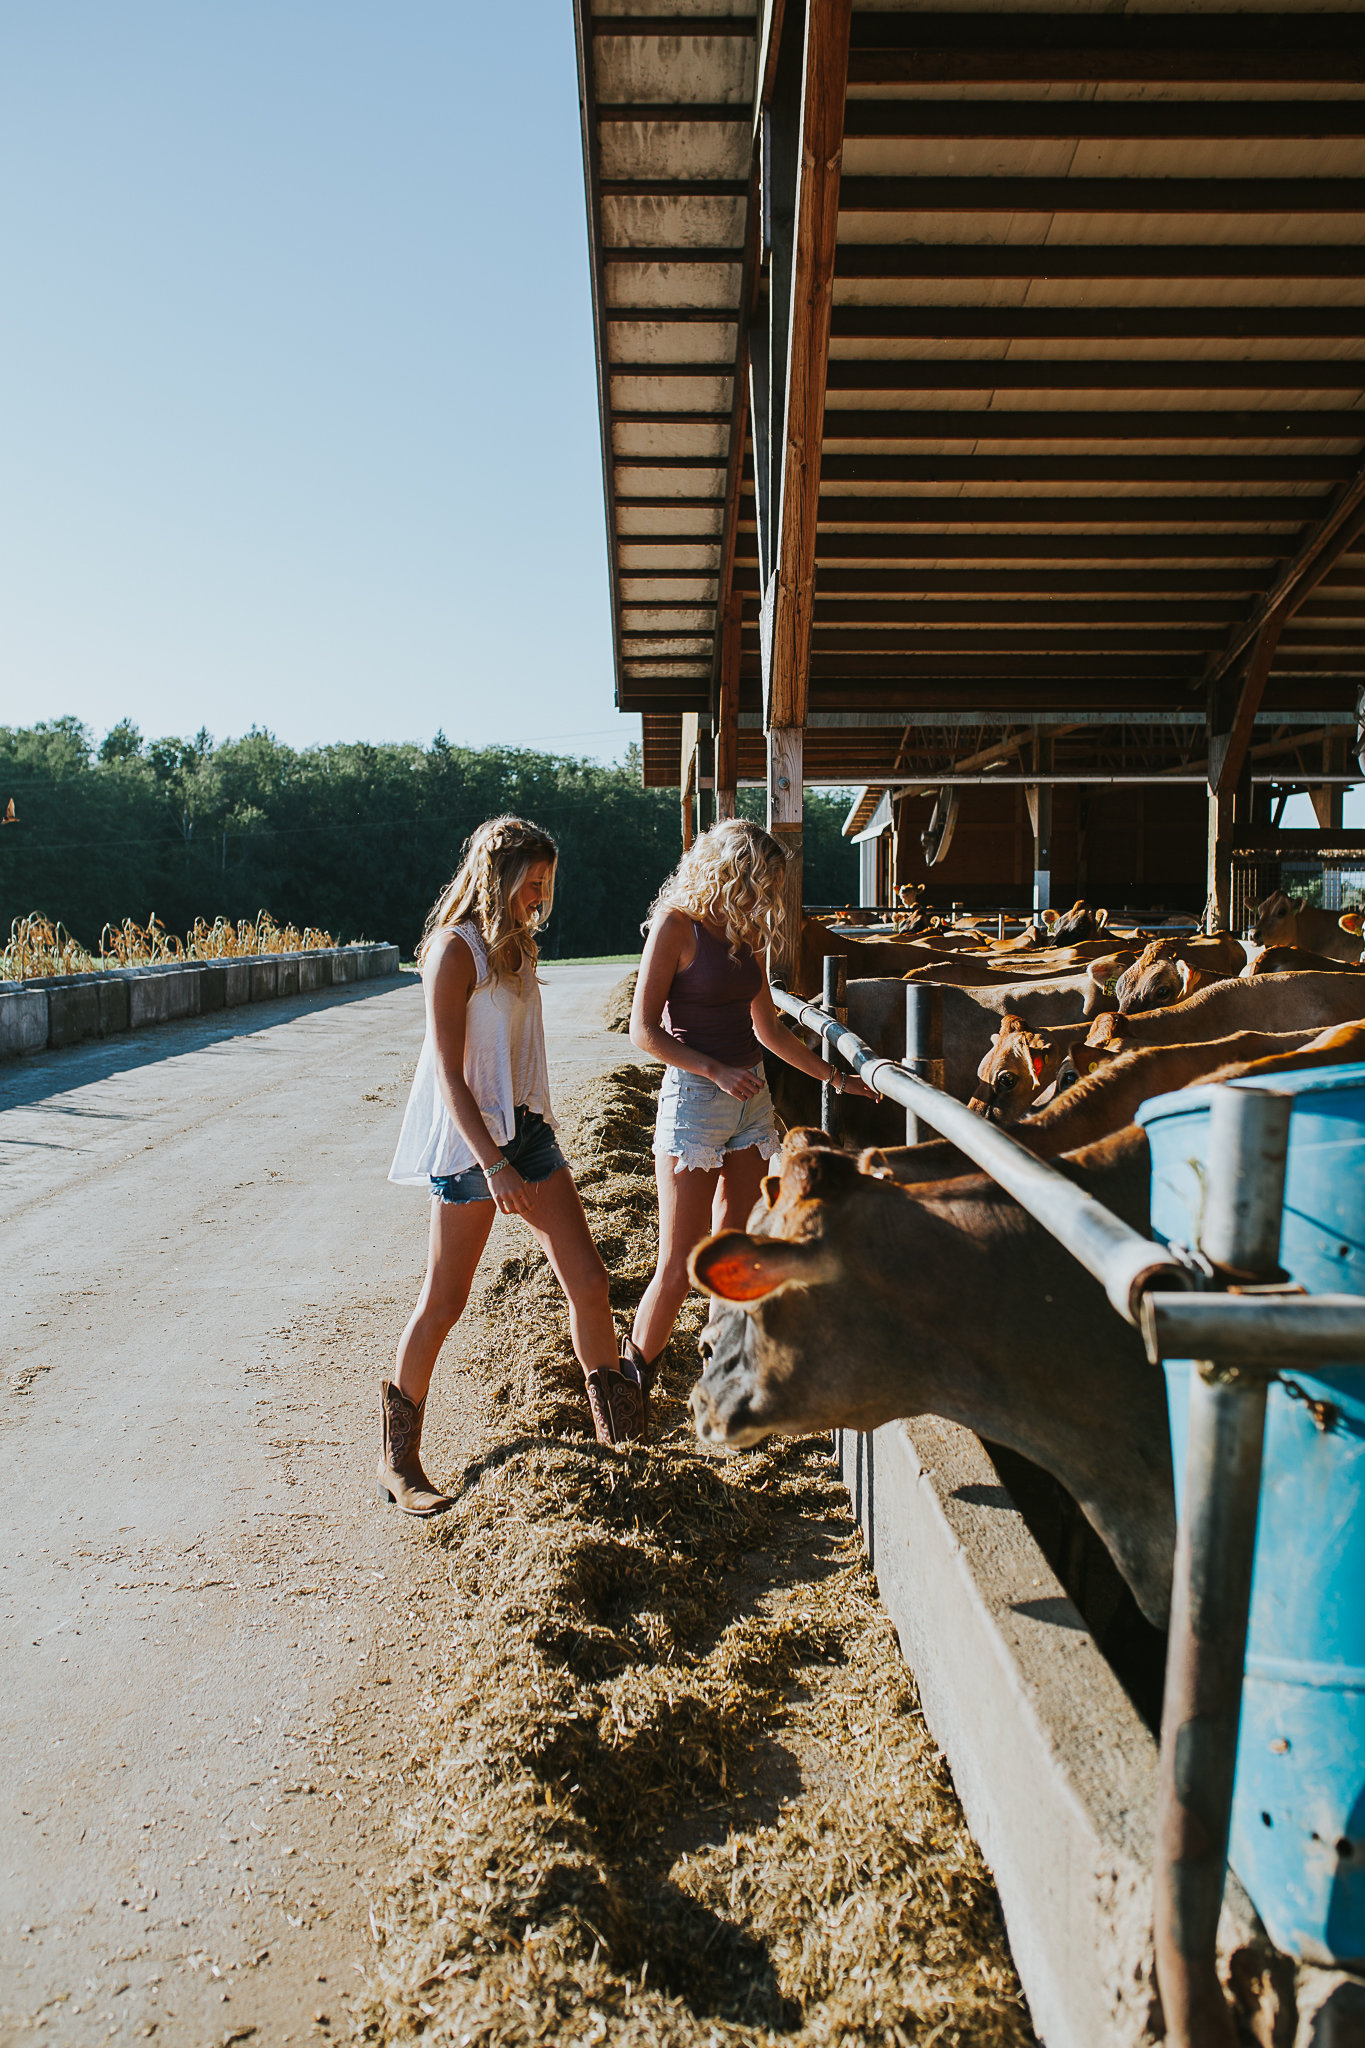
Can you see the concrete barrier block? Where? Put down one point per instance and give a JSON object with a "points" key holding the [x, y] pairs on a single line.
{"points": [[381, 961], [112, 993], [264, 978], [73, 1009], [344, 966], [23, 1019], [315, 972], [212, 987], [1055, 1769], [287, 970], [160, 995]]}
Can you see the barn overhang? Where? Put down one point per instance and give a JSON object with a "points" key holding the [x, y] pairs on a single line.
{"points": [[981, 379]]}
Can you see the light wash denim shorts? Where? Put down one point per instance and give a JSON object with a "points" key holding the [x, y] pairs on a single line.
{"points": [[698, 1122]]}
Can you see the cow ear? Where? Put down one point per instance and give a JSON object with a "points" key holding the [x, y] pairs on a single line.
{"points": [[817, 1171], [1190, 977], [1353, 922], [741, 1268], [1101, 919], [769, 1189]]}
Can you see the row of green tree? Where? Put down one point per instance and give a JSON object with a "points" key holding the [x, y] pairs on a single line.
{"points": [[357, 839]]}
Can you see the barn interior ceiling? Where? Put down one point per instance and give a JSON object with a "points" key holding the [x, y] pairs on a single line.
{"points": [[971, 377]]}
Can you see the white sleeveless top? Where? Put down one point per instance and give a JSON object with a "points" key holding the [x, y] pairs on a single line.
{"points": [[504, 1064]]}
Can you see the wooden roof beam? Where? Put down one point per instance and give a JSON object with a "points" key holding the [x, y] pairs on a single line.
{"points": [[991, 424], [1028, 511], [1119, 469], [1321, 549], [1085, 120], [1089, 260], [1180, 373], [1053, 49], [1103, 195], [1075, 323]]}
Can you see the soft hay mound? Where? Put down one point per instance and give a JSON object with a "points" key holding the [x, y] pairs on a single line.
{"points": [[616, 1009], [675, 1787]]}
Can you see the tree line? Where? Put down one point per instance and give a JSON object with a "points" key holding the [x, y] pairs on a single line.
{"points": [[355, 838]]}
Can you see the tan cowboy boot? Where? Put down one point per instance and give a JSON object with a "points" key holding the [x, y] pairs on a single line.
{"points": [[402, 1482], [616, 1401]]}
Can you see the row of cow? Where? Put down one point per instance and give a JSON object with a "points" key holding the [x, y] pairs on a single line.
{"points": [[896, 1280]]}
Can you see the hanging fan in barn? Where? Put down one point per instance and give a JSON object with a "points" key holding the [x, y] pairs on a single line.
{"points": [[937, 835]]}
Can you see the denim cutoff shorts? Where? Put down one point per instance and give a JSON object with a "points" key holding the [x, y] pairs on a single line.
{"points": [[532, 1149], [698, 1122]]}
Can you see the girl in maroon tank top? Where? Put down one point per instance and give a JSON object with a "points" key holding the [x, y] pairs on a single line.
{"points": [[703, 1007]]}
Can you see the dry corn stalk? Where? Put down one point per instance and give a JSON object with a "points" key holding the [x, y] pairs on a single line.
{"points": [[38, 946]]}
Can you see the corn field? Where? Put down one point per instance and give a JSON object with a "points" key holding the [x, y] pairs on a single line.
{"points": [[37, 946]]}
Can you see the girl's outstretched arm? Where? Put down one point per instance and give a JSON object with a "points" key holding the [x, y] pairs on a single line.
{"points": [[449, 975], [771, 1032]]}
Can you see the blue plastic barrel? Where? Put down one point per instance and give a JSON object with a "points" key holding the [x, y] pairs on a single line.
{"points": [[1298, 1825]]}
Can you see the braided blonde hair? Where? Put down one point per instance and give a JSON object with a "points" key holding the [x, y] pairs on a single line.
{"points": [[732, 877], [496, 861]]}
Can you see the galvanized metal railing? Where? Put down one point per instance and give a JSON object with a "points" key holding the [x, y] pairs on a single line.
{"points": [[1240, 1342]]}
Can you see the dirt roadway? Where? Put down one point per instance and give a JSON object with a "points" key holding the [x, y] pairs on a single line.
{"points": [[211, 1636]]}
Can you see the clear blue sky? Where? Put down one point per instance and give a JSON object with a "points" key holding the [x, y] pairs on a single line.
{"points": [[299, 423]]}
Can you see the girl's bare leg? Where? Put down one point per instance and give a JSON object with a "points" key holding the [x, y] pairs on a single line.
{"points": [[560, 1228], [685, 1203], [459, 1232], [741, 1180]]}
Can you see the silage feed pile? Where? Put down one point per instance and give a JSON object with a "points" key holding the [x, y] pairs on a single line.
{"points": [[674, 1787], [616, 1009]]}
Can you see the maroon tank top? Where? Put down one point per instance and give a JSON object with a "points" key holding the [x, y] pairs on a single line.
{"points": [[708, 1003]]}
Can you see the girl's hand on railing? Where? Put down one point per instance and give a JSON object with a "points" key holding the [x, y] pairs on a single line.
{"points": [[736, 1081], [854, 1084]]}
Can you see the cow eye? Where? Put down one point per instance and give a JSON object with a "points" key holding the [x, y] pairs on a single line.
{"points": [[706, 1344], [1005, 1084]]}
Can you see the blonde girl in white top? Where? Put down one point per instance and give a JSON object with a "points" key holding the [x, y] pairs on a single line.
{"points": [[479, 1130]]}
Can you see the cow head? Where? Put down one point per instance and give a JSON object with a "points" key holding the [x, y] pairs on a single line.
{"points": [[1101, 980], [1155, 980], [756, 1379], [1080, 922], [1017, 1068], [851, 1301], [1275, 921]]}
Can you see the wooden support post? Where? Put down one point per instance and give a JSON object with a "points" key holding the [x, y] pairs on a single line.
{"points": [[803, 141], [786, 750], [706, 776], [1327, 800], [1230, 727], [727, 718], [687, 778], [805, 359]]}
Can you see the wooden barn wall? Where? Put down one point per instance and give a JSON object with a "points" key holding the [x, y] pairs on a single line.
{"points": [[1138, 846]]}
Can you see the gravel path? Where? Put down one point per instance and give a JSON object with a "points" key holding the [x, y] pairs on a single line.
{"points": [[212, 1637]]}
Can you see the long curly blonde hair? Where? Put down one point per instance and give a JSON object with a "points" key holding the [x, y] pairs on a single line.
{"points": [[731, 877], [497, 858]]}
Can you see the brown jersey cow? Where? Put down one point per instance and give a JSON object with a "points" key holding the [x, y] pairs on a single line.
{"points": [[1288, 921], [1111, 1096], [1275, 1002], [853, 1301]]}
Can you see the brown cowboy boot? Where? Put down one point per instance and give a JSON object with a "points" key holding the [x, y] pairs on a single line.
{"points": [[402, 1482], [616, 1401], [646, 1371]]}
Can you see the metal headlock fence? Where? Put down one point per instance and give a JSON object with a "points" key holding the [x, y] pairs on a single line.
{"points": [[1178, 1299]]}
